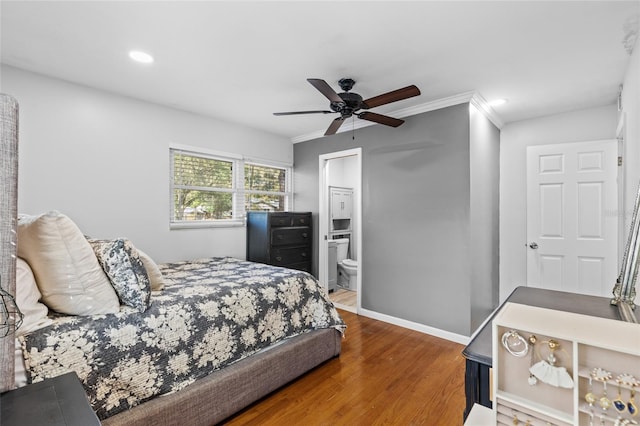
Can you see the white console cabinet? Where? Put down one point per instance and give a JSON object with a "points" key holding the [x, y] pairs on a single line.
{"points": [[585, 347]]}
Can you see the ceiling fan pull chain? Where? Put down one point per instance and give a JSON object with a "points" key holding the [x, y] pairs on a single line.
{"points": [[353, 128]]}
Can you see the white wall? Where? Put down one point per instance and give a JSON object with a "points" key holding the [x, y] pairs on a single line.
{"points": [[103, 160], [576, 126]]}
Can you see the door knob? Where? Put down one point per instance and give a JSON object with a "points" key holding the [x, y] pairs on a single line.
{"points": [[533, 245]]}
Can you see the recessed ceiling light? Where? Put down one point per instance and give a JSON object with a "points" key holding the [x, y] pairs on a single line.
{"points": [[140, 56], [497, 102]]}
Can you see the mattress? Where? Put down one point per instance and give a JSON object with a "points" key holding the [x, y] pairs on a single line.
{"points": [[212, 313]]}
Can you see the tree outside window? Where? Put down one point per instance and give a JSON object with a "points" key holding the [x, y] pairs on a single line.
{"points": [[265, 188]]}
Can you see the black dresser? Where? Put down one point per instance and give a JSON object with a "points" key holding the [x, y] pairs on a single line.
{"points": [[280, 239]]}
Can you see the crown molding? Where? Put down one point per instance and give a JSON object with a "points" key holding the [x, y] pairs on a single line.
{"points": [[483, 106], [473, 98]]}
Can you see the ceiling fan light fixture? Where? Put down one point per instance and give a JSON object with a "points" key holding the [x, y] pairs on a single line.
{"points": [[141, 57]]}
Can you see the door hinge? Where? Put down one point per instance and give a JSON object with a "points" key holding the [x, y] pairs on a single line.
{"points": [[619, 161]]}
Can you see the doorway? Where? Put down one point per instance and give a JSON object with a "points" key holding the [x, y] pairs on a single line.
{"points": [[572, 217], [340, 227]]}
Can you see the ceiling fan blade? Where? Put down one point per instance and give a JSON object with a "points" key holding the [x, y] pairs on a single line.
{"points": [[379, 118], [303, 112], [325, 89], [387, 98], [335, 125]]}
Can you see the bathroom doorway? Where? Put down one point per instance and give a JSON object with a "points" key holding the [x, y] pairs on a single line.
{"points": [[339, 227]]}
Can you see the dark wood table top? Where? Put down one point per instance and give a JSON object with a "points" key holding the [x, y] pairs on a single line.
{"points": [[59, 401], [479, 349]]}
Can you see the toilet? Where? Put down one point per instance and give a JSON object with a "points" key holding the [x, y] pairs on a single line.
{"points": [[347, 268]]}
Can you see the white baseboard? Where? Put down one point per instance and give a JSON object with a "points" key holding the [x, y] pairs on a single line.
{"points": [[447, 335]]}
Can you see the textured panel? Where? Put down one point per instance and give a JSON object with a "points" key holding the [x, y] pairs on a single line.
{"points": [[552, 271], [552, 163], [551, 210], [590, 161], [590, 275], [590, 210], [8, 215]]}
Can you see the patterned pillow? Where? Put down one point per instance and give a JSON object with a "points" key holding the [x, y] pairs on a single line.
{"points": [[120, 261]]}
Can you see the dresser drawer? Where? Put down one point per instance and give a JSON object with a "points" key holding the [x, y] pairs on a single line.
{"points": [[300, 219], [288, 236], [289, 219], [280, 220], [286, 256]]}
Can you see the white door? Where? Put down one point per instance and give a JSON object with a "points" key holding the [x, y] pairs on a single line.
{"points": [[572, 217]]}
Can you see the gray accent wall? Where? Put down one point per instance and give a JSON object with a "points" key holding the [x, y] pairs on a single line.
{"points": [[417, 236], [485, 180]]}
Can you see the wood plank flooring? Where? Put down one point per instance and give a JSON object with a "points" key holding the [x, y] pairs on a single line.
{"points": [[386, 375], [344, 297]]}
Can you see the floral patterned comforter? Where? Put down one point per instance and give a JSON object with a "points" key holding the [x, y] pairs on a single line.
{"points": [[212, 313]]}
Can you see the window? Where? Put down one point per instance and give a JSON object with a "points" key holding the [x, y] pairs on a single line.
{"points": [[265, 187], [213, 190]]}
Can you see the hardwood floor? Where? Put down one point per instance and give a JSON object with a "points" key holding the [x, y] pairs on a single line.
{"points": [[344, 297], [386, 375]]}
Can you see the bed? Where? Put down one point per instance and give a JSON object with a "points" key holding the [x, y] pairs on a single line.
{"points": [[86, 313], [188, 342]]}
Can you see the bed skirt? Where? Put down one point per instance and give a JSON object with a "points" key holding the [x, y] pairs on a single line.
{"points": [[223, 393]]}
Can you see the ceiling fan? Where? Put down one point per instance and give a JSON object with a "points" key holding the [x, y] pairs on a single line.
{"points": [[348, 104]]}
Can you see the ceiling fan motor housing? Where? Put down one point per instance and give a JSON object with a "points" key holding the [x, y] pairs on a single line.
{"points": [[352, 102]]}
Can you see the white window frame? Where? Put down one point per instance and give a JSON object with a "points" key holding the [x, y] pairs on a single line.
{"points": [[238, 190]]}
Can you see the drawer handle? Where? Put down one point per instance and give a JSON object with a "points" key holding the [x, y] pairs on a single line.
{"points": [[303, 254], [279, 258], [280, 237], [305, 235]]}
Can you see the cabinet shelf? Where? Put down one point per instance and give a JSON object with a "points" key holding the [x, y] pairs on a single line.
{"points": [[521, 404]]}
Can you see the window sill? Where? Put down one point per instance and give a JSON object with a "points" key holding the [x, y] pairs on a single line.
{"points": [[196, 224]]}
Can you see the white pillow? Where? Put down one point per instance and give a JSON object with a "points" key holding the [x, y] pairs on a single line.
{"points": [[155, 276], [28, 300], [66, 269]]}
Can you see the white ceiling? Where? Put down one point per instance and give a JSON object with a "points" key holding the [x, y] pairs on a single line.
{"points": [[241, 61]]}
